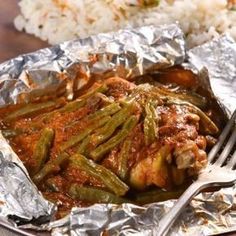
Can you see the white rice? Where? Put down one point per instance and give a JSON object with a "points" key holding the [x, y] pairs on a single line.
{"points": [[60, 20]]}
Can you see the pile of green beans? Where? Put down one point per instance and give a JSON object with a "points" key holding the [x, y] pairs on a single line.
{"points": [[105, 111], [107, 130], [107, 177], [69, 107], [104, 148], [83, 134], [51, 167], [76, 104], [86, 148]]}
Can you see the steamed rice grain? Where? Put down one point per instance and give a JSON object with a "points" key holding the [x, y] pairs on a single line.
{"points": [[60, 20]]}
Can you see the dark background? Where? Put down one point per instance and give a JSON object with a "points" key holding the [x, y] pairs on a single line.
{"points": [[13, 42]]}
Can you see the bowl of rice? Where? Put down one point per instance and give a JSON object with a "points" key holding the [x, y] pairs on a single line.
{"points": [[57, 21]]}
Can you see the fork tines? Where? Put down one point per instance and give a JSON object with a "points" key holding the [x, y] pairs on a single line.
{"points": [[229, 146]]}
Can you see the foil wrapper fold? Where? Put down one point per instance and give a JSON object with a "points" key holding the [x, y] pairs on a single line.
{"points": [[128, 53], [219, 58]]}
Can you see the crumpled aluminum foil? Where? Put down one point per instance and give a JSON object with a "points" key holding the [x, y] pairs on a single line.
{"points": [[128, 53], [219, 58]]}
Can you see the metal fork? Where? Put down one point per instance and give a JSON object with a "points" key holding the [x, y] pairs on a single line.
{"points": [[216, 173]]}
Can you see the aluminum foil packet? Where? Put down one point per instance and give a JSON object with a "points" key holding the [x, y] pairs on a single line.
{"points": [[63, 69]]}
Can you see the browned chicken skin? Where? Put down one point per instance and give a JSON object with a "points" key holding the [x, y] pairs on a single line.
{"points": [[164, 147]]}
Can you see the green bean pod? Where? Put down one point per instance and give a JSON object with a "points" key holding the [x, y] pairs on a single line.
{"points": [[31, 109], [74, 140], [69, 107], [144, 92], [76, 104], [105, 111], [157, 196], [42, 149], [72, 106], [100, 89], [90, 194], [83, 146], [52, 185], [51, 167], [123, 159], [106, 131], [10, 133], [193, 98], [104, 148], [149, 125], [108, 178], [208, 125]]}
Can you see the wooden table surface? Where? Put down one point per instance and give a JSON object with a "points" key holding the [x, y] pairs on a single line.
{"points": [[13, 42]]}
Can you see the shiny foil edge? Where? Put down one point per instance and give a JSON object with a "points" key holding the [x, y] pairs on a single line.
{"points": [[135, 51]]}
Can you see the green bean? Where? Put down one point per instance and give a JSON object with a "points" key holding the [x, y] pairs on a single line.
{"points": [[52, 185], [107, 130], [123, 159], [77, 104], [143, 92], [83, 146], [72, 106], [108, 178], [194, 99], [157, 93], [105, 100], [157, 196], [150, 126], [51, 167], [84, 133], [30, 129], [31, 110], [105, 111], [69, 107], [91, 194], [100, 89], [207, 124], [102, 149], [42, 149], [10, 133]]}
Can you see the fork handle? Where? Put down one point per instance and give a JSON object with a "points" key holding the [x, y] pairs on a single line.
{"points": [[167, 221]]}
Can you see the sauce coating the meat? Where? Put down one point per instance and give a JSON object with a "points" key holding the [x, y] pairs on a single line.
{"points": [[112, 142]]}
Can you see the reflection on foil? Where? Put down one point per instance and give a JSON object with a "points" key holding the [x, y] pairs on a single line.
{"points": [[127, 52], [219, 57], [18, 196], [208, 213], [63, 69]]}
